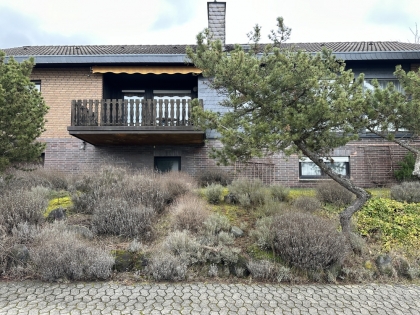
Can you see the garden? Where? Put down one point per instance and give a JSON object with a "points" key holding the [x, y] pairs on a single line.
{"points": [[118, 224]]}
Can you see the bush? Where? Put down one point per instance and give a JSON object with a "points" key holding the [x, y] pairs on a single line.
{"points": [[262, 269], [165, 266], [176, 184], [406, 191], [263, 234], [334, 193], [216, 223], [22, 206], [148, 189], [188, 213], [59, 254], [406, 168], [270, 208], [279, 192], [306, 203], [184, 246], [248, 193], [116, 216], [308, 242], [214, 176], [213, 193]]}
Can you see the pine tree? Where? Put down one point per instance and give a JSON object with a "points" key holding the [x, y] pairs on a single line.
{"points": [[22, 112]]}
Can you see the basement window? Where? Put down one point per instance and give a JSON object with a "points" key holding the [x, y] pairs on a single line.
{"points": [[168, 164], [309, 170]]}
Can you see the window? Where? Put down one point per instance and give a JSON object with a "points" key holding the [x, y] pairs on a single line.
{"points": [[309, 170], [168, 164], [383, 84], [37, 85]]}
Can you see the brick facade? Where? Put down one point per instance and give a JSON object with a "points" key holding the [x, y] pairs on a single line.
{"points": [[372, 160], [58, 87]]}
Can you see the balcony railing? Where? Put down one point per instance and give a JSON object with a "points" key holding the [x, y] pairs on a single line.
{"points": [[132, 113]]}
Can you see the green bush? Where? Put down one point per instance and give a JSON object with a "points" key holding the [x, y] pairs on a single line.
{"points": [[396, 223], [216, 223], [279, 192], [333, 193], [213, 193], [308, 242], [406, 191], [263, 234], [249, 193], [214, 176], [406, 168]]}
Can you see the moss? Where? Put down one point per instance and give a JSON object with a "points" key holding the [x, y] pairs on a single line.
{"points": [[63, 202], [127, 261], [257, 253]]}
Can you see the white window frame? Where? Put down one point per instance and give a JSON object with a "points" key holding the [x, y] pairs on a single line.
{"points": [[306, 164]]}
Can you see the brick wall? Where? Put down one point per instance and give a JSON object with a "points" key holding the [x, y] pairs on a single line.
{"points": [[59, 87], [372, 161]]}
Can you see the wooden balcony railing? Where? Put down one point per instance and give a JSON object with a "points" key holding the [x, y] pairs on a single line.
{"points": [[119, 112]]}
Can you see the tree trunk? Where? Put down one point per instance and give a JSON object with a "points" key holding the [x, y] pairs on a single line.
{"points": [[361, 195]]}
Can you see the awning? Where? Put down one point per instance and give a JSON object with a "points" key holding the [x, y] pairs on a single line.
{"points": [[146, 70]]}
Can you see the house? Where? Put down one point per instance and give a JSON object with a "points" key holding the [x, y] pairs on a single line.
{"points": [[131, 104]]}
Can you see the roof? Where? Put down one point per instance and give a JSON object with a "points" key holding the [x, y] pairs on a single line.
{"points": [[88, 50], [176, 53]]}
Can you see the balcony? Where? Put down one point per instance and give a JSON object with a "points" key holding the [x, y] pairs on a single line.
{"points": [[134, 122]]}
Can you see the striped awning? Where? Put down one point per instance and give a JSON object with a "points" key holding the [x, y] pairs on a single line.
{"points": [[146, 70]]}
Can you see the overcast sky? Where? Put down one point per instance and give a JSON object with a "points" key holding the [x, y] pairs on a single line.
{"points": [[96, 22]]}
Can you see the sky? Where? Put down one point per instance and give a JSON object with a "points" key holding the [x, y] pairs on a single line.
{"points": [[147, 22]]}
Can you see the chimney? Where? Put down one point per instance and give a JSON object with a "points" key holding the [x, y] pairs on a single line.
{"points": [[216, 12]]}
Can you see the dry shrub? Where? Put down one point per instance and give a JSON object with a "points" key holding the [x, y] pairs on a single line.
{"points": [[307, 203], [262, 269], [308, 242], [216, 223], [332, 192], [165, 266], [118, 216], [177, 184], [406, 191], [146, 188], [58, 253], [20, 179], [20, 206], [214, 176], [188, 213], [184, 246]]}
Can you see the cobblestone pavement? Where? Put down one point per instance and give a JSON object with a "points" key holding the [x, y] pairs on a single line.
{"points": [[200, 298]]}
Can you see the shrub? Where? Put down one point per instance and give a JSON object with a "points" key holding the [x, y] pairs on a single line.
{"points": [[262, 269], [184, 246], [59, 254], [176, 184], [263, 234], [216, 223], [279, 192], [306, 203], [308, 242], [406, 168], [406, 191], [398, 223], [116, 216], [270, 208], [165, 266], [213, 193], [188, 213], [248, 193], [22, 206], [214, 176], [331, 192]]}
